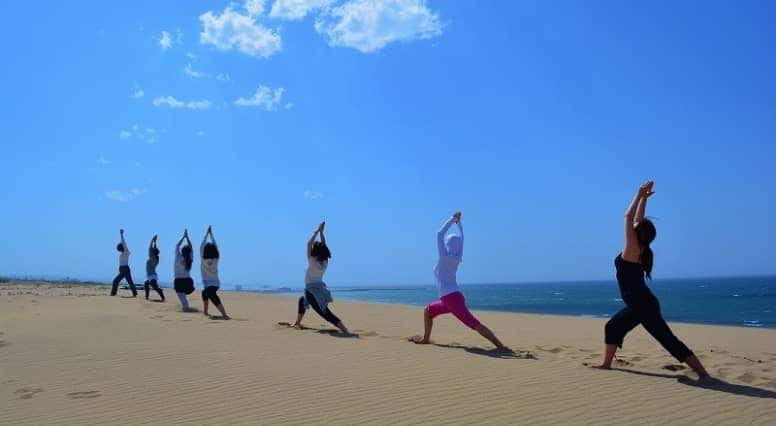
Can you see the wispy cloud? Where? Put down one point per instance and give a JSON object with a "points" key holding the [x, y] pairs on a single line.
{"points": [[175, 103], [147, 134], [200, 133], [232, 30], [102, 161], [223, 77], [124, 196], [254, 7], [313, 195], [265, 97], [370, 25], [191, 72], [166, 39], [289, 105], [137, 92], [296, 9]]}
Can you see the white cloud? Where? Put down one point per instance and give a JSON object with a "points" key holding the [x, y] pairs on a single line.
{"points": [[296, 9], [313, 195], [254, 7], [191, 72], [233, 30], [124, 196], [191, 56], [289, 105], [370, 25], [175, 103], [265, 97], [147, 135], [223, 77], [103, 161], [137, 93], [165, 40], [200, 133]]}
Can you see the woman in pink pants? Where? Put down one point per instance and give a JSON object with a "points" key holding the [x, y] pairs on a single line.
{"points": [[451, 299]]}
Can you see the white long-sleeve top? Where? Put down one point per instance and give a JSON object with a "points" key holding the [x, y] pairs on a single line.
{"points": [[450, 256]]}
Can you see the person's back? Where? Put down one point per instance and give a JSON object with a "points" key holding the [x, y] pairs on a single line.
{"points": [[315, 270]]}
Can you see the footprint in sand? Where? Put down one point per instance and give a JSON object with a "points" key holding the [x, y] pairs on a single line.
{"points": [[83, 395], [27, 393], [674, 367], [551, 350], [3, 343], [622, 362], [747, 378]]}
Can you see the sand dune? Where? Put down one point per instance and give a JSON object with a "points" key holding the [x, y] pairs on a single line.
{"points": [[70, 354]]}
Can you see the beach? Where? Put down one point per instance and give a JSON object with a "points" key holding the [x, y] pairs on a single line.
{"points": [[70, 354]]}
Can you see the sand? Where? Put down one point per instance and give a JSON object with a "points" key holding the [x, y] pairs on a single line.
{"points": [[71, 354]]}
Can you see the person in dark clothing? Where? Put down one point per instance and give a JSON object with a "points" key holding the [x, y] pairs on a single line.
{"points": [[316, 294], [152, 280], [124, 271], [641, 306]]}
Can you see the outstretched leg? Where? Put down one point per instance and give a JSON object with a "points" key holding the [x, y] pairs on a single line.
{"points": [[486, 333], [659, 329], [431, 311], [614, 333], [116, 282], [301, 309], [327, 314]]}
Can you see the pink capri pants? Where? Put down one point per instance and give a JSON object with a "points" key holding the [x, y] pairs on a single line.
{"points": [[453, 303]]}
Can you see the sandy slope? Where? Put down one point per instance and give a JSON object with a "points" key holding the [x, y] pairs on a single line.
{"points": [[73, 355]]}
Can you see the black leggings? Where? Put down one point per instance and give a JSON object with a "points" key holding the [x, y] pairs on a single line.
{"points": [[325, 313], [124, 273], [210, 293], [152, 284], [646, 313]]}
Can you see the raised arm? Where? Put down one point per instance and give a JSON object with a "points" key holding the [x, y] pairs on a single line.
{"points": [[442, 232], [311, 241], [460, 231], [151, 245], [323, 236], [123, 241], [635, 213]]}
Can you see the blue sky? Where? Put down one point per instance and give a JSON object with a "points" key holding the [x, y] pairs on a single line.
{"points": [[537, 119]]}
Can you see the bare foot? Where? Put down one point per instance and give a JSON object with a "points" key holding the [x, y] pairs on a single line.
{"points": [[601, 367], [419, 340], [206, 314]]}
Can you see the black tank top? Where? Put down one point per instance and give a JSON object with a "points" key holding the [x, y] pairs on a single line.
{"points": [[630, 279]]}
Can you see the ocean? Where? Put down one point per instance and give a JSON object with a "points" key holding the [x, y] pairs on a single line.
{"points": [[745, 302]]}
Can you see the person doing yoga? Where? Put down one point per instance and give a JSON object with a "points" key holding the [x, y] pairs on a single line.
{"points": [[641, 306], [451, 300], [316, 294]]}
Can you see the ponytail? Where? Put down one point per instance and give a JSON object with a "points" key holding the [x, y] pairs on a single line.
{"points": [[188, 258], [646, 258]]}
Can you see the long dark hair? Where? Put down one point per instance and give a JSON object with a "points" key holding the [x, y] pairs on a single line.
{"points": [[210, 251], [188, 259], [646, 233], [320, 252], [120, 247]]}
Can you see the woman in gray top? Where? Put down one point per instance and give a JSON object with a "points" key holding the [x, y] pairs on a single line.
{"points": [[151, 263]]}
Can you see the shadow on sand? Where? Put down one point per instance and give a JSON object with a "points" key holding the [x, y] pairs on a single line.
{"points": [[492, 353], [328, 331], [710, 384]]}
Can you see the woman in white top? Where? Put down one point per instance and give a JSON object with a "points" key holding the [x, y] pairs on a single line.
{"points": [[316, 294], [183, 283], [208, 265], [451, 299], [124, 271]]}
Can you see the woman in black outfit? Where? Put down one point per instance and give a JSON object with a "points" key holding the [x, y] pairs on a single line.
{"points": [[641, 306]]}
